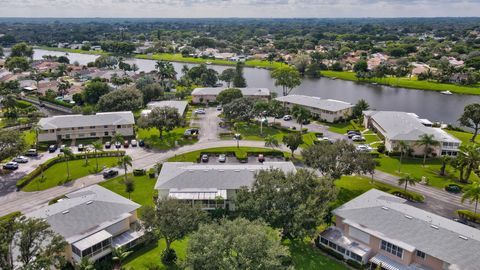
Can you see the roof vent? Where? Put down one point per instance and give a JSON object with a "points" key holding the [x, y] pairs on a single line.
{"points": [[462, 237], [434, 226], [409, 217], [384, 208], [89, 202], [66, 212], [221, 170], [236, 170]]}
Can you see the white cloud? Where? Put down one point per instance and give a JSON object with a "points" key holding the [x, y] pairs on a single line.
{"points": [[238, 8]]}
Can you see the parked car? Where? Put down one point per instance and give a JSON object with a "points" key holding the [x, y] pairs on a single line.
{"points": [[352, 133], [306, 122], [222, 158], [219, 108], [80, 148], [118, 145], [364, 148], [204, 158], [134, 143], [261, 158], [62, 147], [191, 131], [31, 153], [12, 165], [324, 139], [126, 144], [287, 117], [139, 172], [141, 143], [110, 173], [293, 128], [199, 111], [52, 148], [108, 145], [20, 159], [358, 138]]}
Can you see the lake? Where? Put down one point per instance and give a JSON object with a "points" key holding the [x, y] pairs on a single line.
{"points": [[427, 104]]}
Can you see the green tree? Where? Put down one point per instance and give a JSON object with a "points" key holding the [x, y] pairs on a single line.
{"points": [[445, 160], [119, 255], [276, 109], [172, 220], [22, 50], [166, 72], [94, 90], [12, 143], [294, 202], [271, 57], [472, 193], [271, 141], [125, 99], [162, 118], [85, 264], [301, 115], [97, 146], [239, 79], [406, 181], [301, 62], [427, 141], [227, 95], [360, 66], [1, 52], [293, 141], [287, 77], [469, 156], [67, 155], [125, 162], [14, 63], [234, 245], [239, 110], [403, 148], [471, 118], [63, 87], [227, 76], [358, 109], [129, 186]]}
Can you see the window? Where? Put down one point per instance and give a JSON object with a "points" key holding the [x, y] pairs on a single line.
{"points": [[332, 245], [105, 126], [93, 134], [341, 249], [421, 254], [391, 248], [92, 126], [119, 126], [324, 241], [355, 256], [80, 127], [106, 133]]}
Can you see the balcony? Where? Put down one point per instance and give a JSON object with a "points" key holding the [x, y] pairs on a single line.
{"points": [[334, 239]]}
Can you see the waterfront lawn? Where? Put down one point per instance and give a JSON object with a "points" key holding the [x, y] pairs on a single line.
{"points": [[57, 174], [405, 82], [152, 138], [68, 50], [463, 136]]}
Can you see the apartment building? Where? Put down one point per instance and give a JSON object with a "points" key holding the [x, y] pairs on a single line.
{"points": [[206, 95], [377, 228], [69, 127], [329, 110]]}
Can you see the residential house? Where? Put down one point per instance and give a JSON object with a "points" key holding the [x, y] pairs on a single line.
{"points": [[71, 127], [396, 126], [206, 95], [329, 110], [207, 185], [454, 62], [93, 221], [376, 59], [180, 105], [377, 228]]}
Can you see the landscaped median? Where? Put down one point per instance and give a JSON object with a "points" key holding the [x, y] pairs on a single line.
{"points": [[170, 139], [55, 170]]}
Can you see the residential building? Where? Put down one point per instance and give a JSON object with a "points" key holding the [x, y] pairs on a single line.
{"points": [[180, 105], [329, 110], [206, 95], [93, 221], [205, 184], [379, 228], [70, 127], [396, 126]]}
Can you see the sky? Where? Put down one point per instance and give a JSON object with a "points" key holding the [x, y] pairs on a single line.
{"points": [[239, 8]]}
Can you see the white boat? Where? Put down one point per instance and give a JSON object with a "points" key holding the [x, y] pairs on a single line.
{"points": [[208, 63], [446, 92]]}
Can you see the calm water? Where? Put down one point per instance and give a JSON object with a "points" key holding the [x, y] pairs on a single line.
{"points": [[427, 104]]}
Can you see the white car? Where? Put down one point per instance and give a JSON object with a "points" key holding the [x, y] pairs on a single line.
{"points": [[358, 138], [364, 148], [199, 111], [21, 159], [222, 158], [134, 143], [287, 117]]}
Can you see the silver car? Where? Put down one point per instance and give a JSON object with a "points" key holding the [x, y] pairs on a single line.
{"points": [[222, 158], [21, 159]]}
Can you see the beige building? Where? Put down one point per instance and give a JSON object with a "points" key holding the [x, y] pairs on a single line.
{"points": [[93, 221], [408, 127], [69, 127], [379, 228], [180, 105], [329, 110], [206, 95]]}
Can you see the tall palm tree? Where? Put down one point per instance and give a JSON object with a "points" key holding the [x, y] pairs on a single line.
{"points": [[67, 155], [472, 193], [36, 128], [134, 68], [271, 141], [407, 181], [165, 71], [445, 160], [301, 115], [97, 146], [118, 137], [469, 156], [118, 255], [426, 140], [402, 148], [125, 162]]}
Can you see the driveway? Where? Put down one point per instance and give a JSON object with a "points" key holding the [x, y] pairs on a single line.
{"points": [[208, 124]]}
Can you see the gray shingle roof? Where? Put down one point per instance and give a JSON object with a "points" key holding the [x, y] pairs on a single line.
{"points": [[178, 104], [406, 126], [78, 120], [394, 220], [332, 105], [85, 212], [188, 175], [213, 91]]}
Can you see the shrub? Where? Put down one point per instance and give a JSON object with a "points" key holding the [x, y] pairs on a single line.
{"points": [[375, 154], [411, 196], [242, 156], [319, 134], [151, 173], [381, 148], [453, 188], [56, 199], [469, 215], [169, 257]]}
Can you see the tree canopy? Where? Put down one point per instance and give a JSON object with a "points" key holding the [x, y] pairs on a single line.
{"points": [[228, 95], [240, 109], [11, 143], [162, 118], [287, 77], [125, 99]]}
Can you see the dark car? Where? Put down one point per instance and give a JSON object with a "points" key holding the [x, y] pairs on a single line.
{"points": [[141, 143], [31, 153], [11, 166], [108, 145], [126, 144], [52, 148], [204, 158], [306, 122], [80, 148], [118, 145], [110, 173]]}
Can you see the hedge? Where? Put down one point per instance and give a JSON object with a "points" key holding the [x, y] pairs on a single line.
{"points": [[10, 216], [411, 196], [56, 199], [49, 163], [469, 215], [57, 102]]}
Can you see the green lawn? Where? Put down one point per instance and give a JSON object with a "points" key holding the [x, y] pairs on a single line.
{"points": [[30, 137], [67, 50], [405, 82], [57, 174], [149, 255], [343, 127], [152, 138], [463, 136]]}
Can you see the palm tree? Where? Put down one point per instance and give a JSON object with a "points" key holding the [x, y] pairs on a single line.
{"points": [[134, 68], [118, 137], [402, 148], [67, 155], [125, 162], [472, 193], [165, 71], [469, 156], [36, 129], [63, 87], [118, 255], [158, 167], [426, 140], [97, 146], [445, 161], [407, 181], [301, 115], [271, 141]]}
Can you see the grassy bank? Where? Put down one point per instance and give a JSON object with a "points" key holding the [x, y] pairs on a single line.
{"points": [[67, 50], [404, 82]]}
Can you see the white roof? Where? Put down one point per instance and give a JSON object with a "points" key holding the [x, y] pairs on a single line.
{"points": [[332, 105], [78, 120], [406, 126], [213, 91], [197, 194], [180, 105]]}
